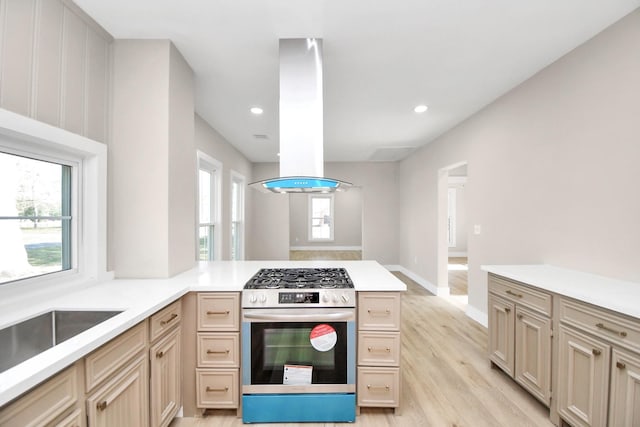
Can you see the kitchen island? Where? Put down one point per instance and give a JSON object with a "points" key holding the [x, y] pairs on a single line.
{"points": [[140, 299]]}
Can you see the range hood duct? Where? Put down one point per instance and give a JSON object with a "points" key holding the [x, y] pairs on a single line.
{"points": [[301, 122]]}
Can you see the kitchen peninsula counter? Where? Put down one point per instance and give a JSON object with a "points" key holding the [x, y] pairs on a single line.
{"points": [[140, 298]]}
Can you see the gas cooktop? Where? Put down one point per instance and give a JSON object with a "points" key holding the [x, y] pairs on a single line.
{"points": [[300, 278]]}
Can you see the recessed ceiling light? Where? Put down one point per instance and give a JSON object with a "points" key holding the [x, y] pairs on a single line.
{"points": [[256, 110], [420, 108]]}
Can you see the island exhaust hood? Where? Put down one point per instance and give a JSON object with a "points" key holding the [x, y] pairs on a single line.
{"points": [[301, 125]]}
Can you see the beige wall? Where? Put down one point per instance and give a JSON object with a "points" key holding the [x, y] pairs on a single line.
{"points": [[151, 161], [552, 169], [377, 185], [347, 220], [212, 143]]}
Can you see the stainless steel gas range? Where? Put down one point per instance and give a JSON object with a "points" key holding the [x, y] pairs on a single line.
{"points": [[298, 346]]}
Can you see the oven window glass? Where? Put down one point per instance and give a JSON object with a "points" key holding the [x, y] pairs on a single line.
{"points": [[277, 344]]}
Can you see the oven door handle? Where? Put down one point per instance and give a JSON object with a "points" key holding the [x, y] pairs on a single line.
{"points": [[341, 315]]}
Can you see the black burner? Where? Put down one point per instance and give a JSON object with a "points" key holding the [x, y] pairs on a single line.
{"points": [[274, 278]]}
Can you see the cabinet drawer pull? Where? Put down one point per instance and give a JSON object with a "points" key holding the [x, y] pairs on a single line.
{"points": [[211, 313], [507, 310], [596, 352], [608, 329], [217, 351], [209, 389], [620, 365], [381, 312], [378, 387], [169, 320], [520, 316], [160, 354], [510, 292], [101, 406], [385, 349]]}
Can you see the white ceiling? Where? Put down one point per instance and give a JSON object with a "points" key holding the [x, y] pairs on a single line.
{"points": [[381, 58]]}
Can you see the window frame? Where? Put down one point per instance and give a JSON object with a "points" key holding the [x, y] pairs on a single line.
{"points": [[27, 137], [332, 224], [237, 178], [214, 167]]}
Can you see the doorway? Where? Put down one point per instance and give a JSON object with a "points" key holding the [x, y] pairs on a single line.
{"points": [[453, 232]]}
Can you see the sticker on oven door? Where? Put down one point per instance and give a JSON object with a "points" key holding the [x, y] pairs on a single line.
{"points": [[297, 375], [323, 337]]}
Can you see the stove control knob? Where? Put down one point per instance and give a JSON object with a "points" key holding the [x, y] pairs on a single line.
{"points": [[326, 297], [253, 298], [345, 298], [263, 298], [335, 298]]}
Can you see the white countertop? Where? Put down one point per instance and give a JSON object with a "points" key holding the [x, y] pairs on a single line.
{"points": [[140, 298], [612, 294]]}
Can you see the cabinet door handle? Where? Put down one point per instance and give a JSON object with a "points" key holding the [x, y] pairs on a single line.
{"points": [[101, 406], [520, 316], [385, 349], [378, 387], [621, 365], [209, 389], [211, 313], [169, 320], [507, 310], [596, 352], [608, 329], [160, 354], [381, 312], [510, 292], [217, 351]]}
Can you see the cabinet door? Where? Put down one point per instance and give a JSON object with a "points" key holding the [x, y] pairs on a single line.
{"points": [[165, 389], [624, 408], [533, 353], [122, 401], [583, 378], [501, 333]]}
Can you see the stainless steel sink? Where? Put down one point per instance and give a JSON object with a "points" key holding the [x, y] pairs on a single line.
{"points": [[30, 337]]}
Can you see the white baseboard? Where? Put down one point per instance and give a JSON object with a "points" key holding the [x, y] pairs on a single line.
{"points": [[477, 315], [472, 312], [325, 248], [458, 254]]}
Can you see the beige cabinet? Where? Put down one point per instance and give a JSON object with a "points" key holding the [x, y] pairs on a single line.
{"points": [[598, 366], [218, 350], [378, 376], [52, 403], [165, 356], [122, 400], [520, 334]]}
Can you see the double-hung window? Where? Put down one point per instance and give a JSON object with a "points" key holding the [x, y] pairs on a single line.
{"points": [[321, 217], [209, 200], [237, 216]]}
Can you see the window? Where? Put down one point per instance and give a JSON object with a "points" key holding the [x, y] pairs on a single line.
{"points": [[36, 219], [237, 216], [321, 217], [208, 208], [53, 206]]}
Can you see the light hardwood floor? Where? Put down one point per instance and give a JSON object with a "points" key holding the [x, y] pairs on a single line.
{"points": [[458, 276], [447, 378]]}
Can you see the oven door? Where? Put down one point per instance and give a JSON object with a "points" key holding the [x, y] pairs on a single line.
{"points": [[295, 350]]}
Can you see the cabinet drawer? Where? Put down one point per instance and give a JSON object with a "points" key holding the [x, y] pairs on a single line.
{"points": [[103, 362], [379, 311], [217, 388], [613, 327], [378, 387], [45, 403], [379, 348], [219, 312], [521, 294], [218, 350], [164, 320]]}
